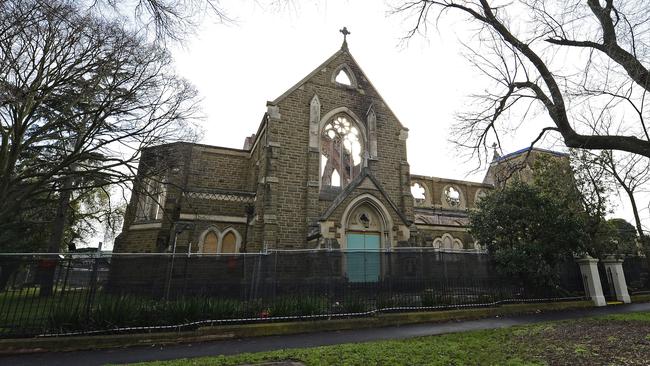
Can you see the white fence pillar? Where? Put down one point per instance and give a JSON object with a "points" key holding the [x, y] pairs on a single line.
{"points": [[591, 280], [614, 271]]}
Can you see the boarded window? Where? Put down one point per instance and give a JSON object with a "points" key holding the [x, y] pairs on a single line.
{"points": [[229, 243], [210, 242]]}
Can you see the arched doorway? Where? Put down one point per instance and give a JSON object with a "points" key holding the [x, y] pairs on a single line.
{"points": [[366, 234]]}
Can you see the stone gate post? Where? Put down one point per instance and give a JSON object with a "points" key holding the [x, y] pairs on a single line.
{"points": [[591, 280], [614, 272]]}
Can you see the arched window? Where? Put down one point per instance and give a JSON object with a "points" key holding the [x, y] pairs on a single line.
{"points": [[210, 242], [452, 197], [420, 194], [341, 152], [229, 243], [343, 78]]}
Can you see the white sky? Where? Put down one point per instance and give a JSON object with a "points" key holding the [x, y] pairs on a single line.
{"points": [[237, 67]]}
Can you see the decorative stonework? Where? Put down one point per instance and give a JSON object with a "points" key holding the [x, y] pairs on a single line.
{"points": [[314, 121], [452, 197], [222, 196], [372, 132], [447, 242]]}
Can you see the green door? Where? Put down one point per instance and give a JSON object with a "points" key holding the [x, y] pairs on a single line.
{"points": [[363, 261]]}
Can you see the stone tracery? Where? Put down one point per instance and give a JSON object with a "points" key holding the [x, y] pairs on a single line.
{"points": [[341, 152]]}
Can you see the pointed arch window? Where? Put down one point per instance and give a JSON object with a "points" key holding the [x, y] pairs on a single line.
{"points": [[213, 241], [343, 78], [341, 152]]}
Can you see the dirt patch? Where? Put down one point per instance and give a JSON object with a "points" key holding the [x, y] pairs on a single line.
{"points": [[588, 342]]}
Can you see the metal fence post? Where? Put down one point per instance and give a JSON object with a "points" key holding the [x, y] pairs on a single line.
{"points": [[93, 288]]}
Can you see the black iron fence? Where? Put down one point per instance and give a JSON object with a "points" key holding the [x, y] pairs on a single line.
{"points": [[637, 275], [121, 293]]}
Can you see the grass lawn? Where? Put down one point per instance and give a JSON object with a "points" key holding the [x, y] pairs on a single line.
{"points": [[612, 340]]}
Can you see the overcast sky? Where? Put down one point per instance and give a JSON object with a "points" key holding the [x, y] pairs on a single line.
{"points": [[239, 66]]}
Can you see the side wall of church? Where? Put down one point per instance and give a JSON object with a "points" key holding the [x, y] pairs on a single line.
{"points": [[209, 175]]}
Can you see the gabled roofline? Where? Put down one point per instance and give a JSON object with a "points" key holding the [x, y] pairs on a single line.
{"points": [[365, 173], [342, 50], [378, 94], [309, 76], [527, 149]]}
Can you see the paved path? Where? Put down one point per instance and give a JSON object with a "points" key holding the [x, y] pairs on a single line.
{"points": [[229, 347]]}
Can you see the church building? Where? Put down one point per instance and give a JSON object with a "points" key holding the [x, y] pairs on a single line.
{"points": [[327, 168]]}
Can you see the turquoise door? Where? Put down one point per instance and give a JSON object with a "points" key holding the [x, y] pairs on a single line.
{"points": [[363, 261]]}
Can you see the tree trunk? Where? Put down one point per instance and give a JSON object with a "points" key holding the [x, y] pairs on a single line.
{"points": [[47, 267]]}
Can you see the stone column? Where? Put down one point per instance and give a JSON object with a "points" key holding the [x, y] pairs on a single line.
{"points": [[614, 271], [591, 280]]}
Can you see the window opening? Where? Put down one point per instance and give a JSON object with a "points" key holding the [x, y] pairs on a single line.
{"points": [[343, 78], [341, 153], [418, 192], [210, 242], [151, 200], [452, 196], [229, 243], [364, 220]]}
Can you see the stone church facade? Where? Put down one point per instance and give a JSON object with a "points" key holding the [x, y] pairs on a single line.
{"points": [[326, 169]]}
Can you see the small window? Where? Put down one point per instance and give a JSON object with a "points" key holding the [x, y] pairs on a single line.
{"points": [[452, 196], [343, 78], [229, 243], [419, 193], [210, 242]]}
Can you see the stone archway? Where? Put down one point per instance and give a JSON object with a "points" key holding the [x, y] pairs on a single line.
{"points": [[367, 231]]}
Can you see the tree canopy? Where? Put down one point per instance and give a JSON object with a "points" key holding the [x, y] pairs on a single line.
{"points": [[80, 97], [527, 232], [531, 227]]}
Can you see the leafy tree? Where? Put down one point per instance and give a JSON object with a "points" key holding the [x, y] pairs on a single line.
{"points": [[529, 233], [584, 186], [625, 235]]}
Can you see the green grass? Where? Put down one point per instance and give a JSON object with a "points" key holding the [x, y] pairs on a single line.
{"points": [[637, 317], [489, 347], [522, 345]]}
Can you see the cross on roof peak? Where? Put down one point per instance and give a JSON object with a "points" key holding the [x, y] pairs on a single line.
{"points": [[345, 33]]}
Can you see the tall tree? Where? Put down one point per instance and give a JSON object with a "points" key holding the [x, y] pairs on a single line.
{"points": [[583, 62], [80, 96]]}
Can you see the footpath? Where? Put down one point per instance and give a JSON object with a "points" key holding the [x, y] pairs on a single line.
{"points": [[314, 339]]}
